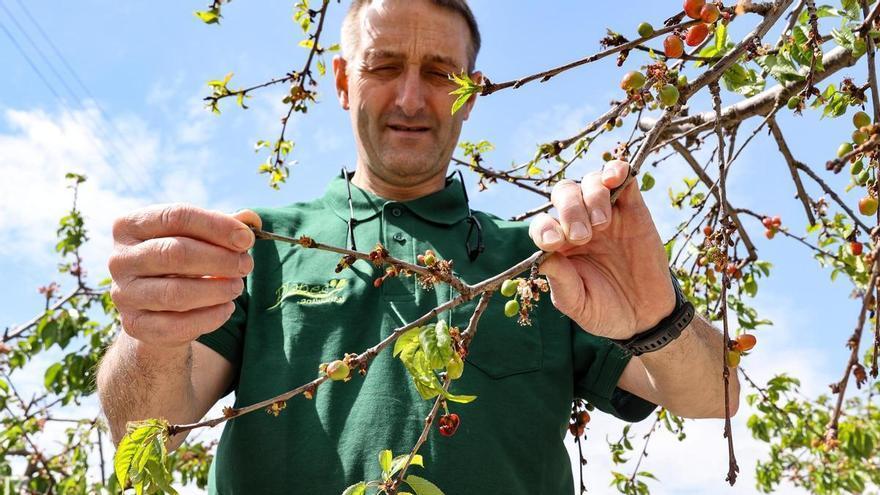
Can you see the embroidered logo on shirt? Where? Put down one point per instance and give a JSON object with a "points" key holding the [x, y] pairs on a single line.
{"points": [[331, 292]]}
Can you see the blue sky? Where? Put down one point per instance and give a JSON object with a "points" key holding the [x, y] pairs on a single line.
{"points": [[142, 137]]}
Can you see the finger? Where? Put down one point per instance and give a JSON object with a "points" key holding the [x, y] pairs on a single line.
{"points": [[613, 175], [169, 328], [546, 232], [567, 198], [175, 293], [597, 199], [183, 220], [178, 256], [566, 286], [249, 217]]}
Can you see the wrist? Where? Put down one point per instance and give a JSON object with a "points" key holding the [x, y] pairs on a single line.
{"points": [[142, 351]]}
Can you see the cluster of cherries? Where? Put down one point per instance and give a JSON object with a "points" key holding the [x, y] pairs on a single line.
{"points": [[738, 346], [673, 45], [772, 225]]}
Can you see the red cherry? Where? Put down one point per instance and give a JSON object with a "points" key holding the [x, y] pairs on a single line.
{"points": [[709, 13], [745, 342], [707, 230], [448, 424], [697, 34], [693, 7], [855, 248], [777, 221], [769, 233], [767, 221], [673, 46]]}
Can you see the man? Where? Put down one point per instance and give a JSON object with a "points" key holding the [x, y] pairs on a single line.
{"points": [[186, 343]]}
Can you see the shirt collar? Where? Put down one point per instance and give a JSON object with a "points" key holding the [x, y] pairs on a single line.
{"points": [[446, 206]]}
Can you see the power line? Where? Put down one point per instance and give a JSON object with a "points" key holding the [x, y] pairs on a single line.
{"points": [[115, 152]]}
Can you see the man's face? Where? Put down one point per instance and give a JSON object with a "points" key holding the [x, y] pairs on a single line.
{"points": [[395, 83]]}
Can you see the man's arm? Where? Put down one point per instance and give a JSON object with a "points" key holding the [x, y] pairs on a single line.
{"points": [[180, 384], [685, 376]]}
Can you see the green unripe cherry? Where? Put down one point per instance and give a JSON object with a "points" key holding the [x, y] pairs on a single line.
{"points": [[863, 177], [859, 137], [632, 81], [844, 149], [508, 288], [668, 95], [338, 370], [861, 119], [645, 29], [857, 167], [794, 102], [511, 309]]}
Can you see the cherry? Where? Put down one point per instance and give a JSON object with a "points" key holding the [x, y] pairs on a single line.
{"points": [[707, 230], [673, 46], [868, 206], [709, 13], [583, 418], [668, 95], [693, 8], [861, 119], [856, 167], [794, 102], [702, 261], [508, 288], [645, 30], [745, 342], [448, 424], [632, 81], [767, 221], [859, 137], [511, 308], [844, 149], [769, 233], [607, 156], [338, 370], [733, 358], [430, 260], [855, 248], [697, 34], [776, 220]]}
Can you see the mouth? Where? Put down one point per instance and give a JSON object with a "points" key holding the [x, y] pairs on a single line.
{"points": [[411, 130]]}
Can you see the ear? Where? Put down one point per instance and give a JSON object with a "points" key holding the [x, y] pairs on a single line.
{"points": [[477, 77], [340, 75]]}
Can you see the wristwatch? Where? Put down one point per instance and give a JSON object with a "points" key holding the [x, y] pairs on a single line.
{"points": [[664, 332]]}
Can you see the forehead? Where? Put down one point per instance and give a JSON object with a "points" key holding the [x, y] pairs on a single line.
{"points": [[416, 30]]}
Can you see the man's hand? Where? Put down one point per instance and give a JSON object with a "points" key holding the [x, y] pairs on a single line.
{"points": [[609, 272], [176, 269]]}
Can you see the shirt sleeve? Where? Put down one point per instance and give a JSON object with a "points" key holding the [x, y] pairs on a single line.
{"points": [[228, 340], [598, 364]]}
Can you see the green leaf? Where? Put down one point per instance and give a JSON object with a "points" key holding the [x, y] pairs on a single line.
{"points": [[208, 16], [385, 463], [52, 375], [397, 463], [422, 486], [647, 182], [356, 489], [461, 399]]}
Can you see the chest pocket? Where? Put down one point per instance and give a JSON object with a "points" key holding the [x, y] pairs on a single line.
{"points": [[501, 347]]}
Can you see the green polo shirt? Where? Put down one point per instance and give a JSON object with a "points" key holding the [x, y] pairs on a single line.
{"points": [[510, 439]]}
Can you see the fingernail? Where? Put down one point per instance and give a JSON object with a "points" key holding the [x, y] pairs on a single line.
{"points": [[241, 238], [597, 217], [244, 264], [550, 236], [578, 231]]}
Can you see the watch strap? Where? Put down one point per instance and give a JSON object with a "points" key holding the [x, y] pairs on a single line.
{"points": [[664, 332]]}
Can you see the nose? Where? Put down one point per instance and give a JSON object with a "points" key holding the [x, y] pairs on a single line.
{"points": [[410, 93]]}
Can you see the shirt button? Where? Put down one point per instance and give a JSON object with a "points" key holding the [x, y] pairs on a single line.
{"points": [[396, 212], [399, 238]]}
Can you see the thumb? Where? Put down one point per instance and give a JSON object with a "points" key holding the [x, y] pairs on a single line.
{"points": [[566, 286], [248, 217]]}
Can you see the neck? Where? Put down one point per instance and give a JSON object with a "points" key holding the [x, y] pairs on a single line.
{"points": [[397, 192]]}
